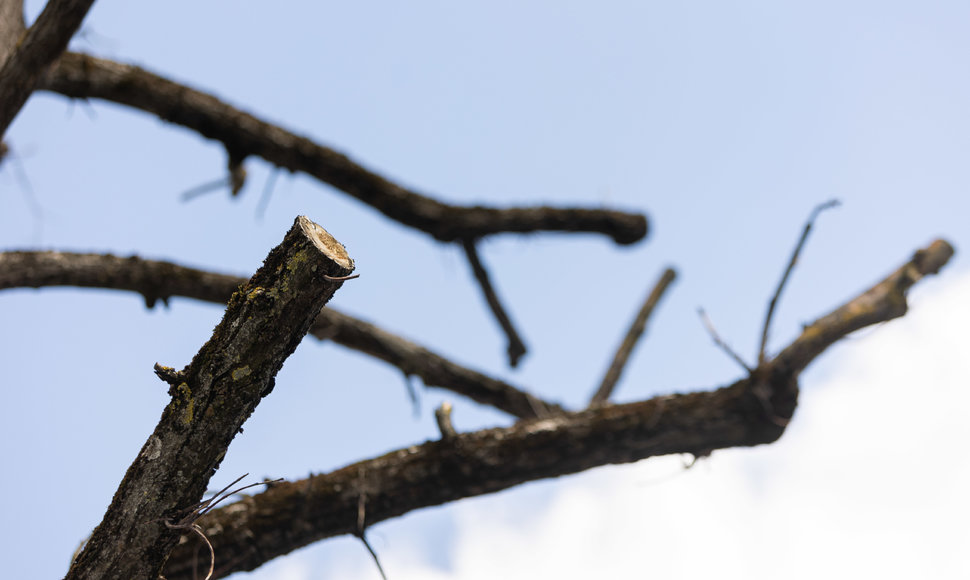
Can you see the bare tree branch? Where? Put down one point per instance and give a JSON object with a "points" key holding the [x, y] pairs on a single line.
{"points": [[434, 370], [34, 51], [752, 411], [516, 347], [157, 280], [632, 336], [264, 322], [884, 301], [82, 76]]}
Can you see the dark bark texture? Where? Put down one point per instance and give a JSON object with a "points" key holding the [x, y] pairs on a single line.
{"points": [[211, 398], [146, 529]]}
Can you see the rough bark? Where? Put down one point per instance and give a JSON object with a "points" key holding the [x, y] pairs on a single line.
{"points": [[211, 399], [82, 76], [752, 411], [159, 281], [35, 51], [294, 514]]}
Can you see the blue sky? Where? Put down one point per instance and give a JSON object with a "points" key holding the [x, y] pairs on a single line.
{"points": [[725, 123]]}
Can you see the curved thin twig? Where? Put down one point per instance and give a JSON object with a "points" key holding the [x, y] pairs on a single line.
{"points": [[762, 355], [711, 330]]}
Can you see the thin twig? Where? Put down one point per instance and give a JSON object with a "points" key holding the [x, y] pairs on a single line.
{"points": [[212, 553], [200, 509], [720, 343], [235, 181], [516, 347], [30, 198], [338, 278], [361, 531], [207, 187], [413, 395], [632, 336], [762, 356], [373, 554]]}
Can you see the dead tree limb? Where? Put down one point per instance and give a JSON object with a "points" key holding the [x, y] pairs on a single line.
{"points": [[264, 322], [159, 281], [752, 411], [516, 347], [633, 335], [34, 51], [81, 76]]}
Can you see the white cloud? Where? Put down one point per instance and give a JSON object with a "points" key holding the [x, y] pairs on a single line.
{"points": [[870, 480]]}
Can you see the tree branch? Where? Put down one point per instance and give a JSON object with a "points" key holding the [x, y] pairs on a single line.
{"points": [[82, 76], [263, 323], [884, 301], [750, 412], [633, 335], [516, 347], [157, 280], [35, 51]]}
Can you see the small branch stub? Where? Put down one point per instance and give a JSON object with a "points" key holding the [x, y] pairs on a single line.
{"points": [[442, 416]]}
